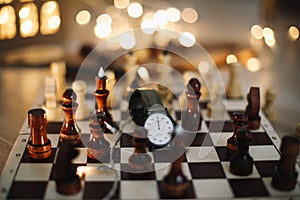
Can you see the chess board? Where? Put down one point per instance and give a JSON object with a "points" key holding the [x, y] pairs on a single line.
{"points": [[205, 164]]}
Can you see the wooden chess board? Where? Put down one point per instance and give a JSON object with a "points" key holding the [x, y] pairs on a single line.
{"points": [[205, 164]]}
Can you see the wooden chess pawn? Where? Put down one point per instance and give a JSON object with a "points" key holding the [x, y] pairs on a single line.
{"points": [[252, 109], [285, 174], [241, 163], [216, 109], [58, 70], [70, 130], [66, 180], [39, 146], [98, 147], [101, 95], [83, 110], [175, 183], [140, 161], [234, 90], [240, 121], [191, 119], [268, 108]]}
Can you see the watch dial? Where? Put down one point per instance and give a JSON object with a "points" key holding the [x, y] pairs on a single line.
{"points": [[160, 129]]}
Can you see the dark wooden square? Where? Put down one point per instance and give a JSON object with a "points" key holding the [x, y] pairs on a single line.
{"points": [[206, 170], [248, 188]]}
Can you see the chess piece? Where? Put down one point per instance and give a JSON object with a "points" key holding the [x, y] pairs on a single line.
{"points": [[130, 67], [241, 163], [140, 161], [217, 108], [191, 119], [175, 183], [240, 121], [252, 109], [39, 146], [98, 147], [111, 81], [268, 108], [234, 90], [298, 130], [166, 95], [58, 70], [285, 174], [66, 179], [53, 111], [164, 59], [101, 95], [83, 110], [70, 130]]}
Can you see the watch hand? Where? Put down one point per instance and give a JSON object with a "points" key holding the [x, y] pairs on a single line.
{"points": [[158, 126]]}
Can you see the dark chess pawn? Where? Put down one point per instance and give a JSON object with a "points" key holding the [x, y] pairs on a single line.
{"points": [[252, 109], [175, 183], [98, 147], [285, 174], [191, 119], [39, 146], [140, 161], [241, 163], [101, 95], [66, 179], [70, 130], [240, 121]]}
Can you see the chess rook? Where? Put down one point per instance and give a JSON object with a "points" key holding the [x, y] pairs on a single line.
{"points": [[285, 174], [140, 161], [39, 146], [253, 107], [98, 147], [240, 121], [66, 180], [70, 130], [191, 119], [83, 110], [241, 163], [101, 95]]}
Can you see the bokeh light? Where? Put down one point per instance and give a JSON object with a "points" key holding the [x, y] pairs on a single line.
{"points": [[102, 30], [127, 40], [173, 14], [83, 17], [293, 33], [121, 4], [148, 26], [135, 10], [257, 32], [187, 39], [231, 59], [189, 15], [104, 18], [253, 64], [203, 67]]}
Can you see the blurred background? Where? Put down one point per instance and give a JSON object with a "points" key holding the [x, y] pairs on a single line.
{"points": [[262, 35]]}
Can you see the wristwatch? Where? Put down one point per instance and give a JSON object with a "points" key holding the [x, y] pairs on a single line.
{"points": [[147, 110]]}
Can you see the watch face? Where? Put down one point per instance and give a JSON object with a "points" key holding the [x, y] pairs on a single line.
{"points": [[160, 129]]}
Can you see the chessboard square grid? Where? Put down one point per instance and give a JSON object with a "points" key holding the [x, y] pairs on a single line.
{"points": [[222, 153], [101, 172], [219, 138], [212, 188], [27, 190], [248, 187], [264, 152], [202, 154], [260, 138], [139, 189], [131, 174], [229, 175], [54, 139], [51, 192], [162, 169], [206, 170], [127, 152], [168, 155], [201, 139], [219, 126], [34, 172], [266, 168], [189, 193], [98, 190]]}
